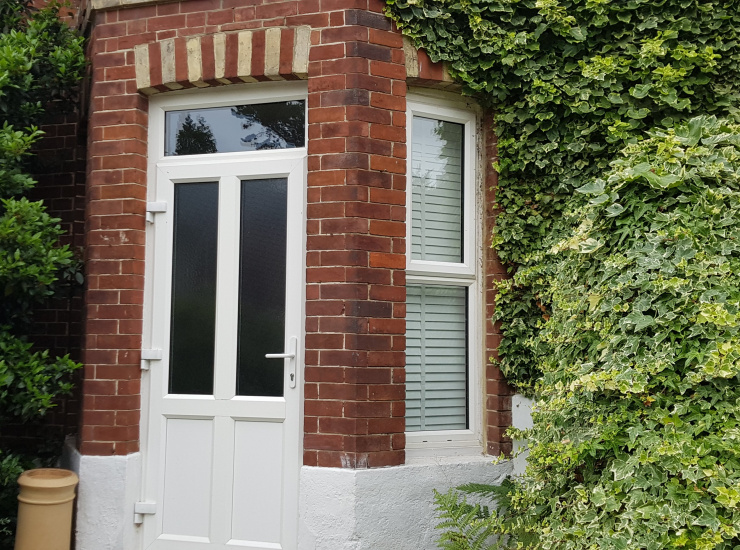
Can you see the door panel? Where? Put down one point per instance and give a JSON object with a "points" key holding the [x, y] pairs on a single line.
{"points": [[187, 478], [252, 519], [223, 450]]}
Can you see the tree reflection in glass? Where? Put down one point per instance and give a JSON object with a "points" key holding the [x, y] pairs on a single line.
{"points": [[280, 125], [273, 125], [195, 138]]}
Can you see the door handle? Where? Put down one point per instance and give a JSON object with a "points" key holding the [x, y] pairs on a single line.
{"points": [[279, 355], [290, 354]]}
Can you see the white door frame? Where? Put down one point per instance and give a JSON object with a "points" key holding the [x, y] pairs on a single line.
{"points": [[231, 168]]}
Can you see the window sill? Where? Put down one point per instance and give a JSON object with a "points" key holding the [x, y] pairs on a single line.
{"points": [[434, 445], [420, 457]]}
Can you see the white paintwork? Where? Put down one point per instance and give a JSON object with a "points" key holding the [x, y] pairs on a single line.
{"points": [[187, 477], [462, 112], [105, 499], [427, 103], [223, 469], [521, 417], [383, 508], [257, 519]]}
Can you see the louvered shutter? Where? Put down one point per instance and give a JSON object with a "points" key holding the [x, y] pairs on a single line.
{"points": [[437, 197], [436, 358]]}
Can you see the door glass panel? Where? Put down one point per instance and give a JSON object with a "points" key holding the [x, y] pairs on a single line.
{"points": [[236, 128], [262, 286], [193, 325]]}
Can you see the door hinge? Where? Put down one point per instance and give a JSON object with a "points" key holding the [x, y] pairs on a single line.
{"points": [[148, 355], [144, 508], [154, 208]]}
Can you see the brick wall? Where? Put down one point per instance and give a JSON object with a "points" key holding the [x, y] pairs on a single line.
{"points": [[115, 241], [498, 392], [355, 330], [356, 296]]}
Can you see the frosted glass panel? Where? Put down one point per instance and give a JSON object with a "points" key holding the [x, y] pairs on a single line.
{"points": [[437, 198], [236, 128], [193, 326], [436, 358], [262, 286]]}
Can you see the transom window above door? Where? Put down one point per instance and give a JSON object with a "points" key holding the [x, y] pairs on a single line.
{"points": [[236, 128]]}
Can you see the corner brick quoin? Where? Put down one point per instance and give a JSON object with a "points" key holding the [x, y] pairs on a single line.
{"points": [[357, 67]]}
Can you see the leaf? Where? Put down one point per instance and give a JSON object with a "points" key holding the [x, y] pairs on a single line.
{"points": [[639, 320], [595, 187], [601, 199], [663, 182], [640, 91], [589, 245], [614, 209]]}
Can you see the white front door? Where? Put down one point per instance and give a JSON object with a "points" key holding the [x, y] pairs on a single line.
{"points": [[222, 441]]}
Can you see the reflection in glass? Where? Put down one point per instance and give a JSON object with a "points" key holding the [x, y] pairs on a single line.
{"points": [[195, 138], [436, 194], [237, 128], [262, 286], [193, 325]]}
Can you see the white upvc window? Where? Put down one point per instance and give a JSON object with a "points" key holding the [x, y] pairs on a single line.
{"points": [[444, 317]]}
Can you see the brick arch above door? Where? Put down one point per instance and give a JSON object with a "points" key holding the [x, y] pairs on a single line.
{"points": [[252, 56], [222, 58]]}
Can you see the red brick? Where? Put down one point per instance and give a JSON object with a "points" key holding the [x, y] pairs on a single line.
{"points": [[347, 325], [386, 38], [344, 34], [387, 326], [338, 425], [344, 66], [324, 52], [344, 258], [379, 227], [368, 114], [394, 261], [368, 342]]}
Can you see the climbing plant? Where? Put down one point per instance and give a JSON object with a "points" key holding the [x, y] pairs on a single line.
{"points": [[618, 225], [571, 82]]}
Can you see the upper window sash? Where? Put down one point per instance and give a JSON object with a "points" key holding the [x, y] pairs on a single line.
{"points": [[430, 109]]}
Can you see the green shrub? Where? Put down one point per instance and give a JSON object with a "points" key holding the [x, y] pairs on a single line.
{"points": [[41, 62], [636, 435]]}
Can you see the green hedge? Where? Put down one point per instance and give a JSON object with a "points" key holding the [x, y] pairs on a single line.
{"points": [[41, 62]]}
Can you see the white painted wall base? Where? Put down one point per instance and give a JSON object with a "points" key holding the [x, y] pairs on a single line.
{"points": [[384, 508], [521, 417], [106, 495], [339, 509]]}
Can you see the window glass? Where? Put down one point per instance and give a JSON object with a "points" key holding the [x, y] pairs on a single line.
{"points": [[436, 358], [437, 190], [236, 129], [193, 328], [262, 286]]}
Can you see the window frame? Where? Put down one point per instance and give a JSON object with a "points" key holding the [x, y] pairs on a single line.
{"points": [[428, 104]]}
